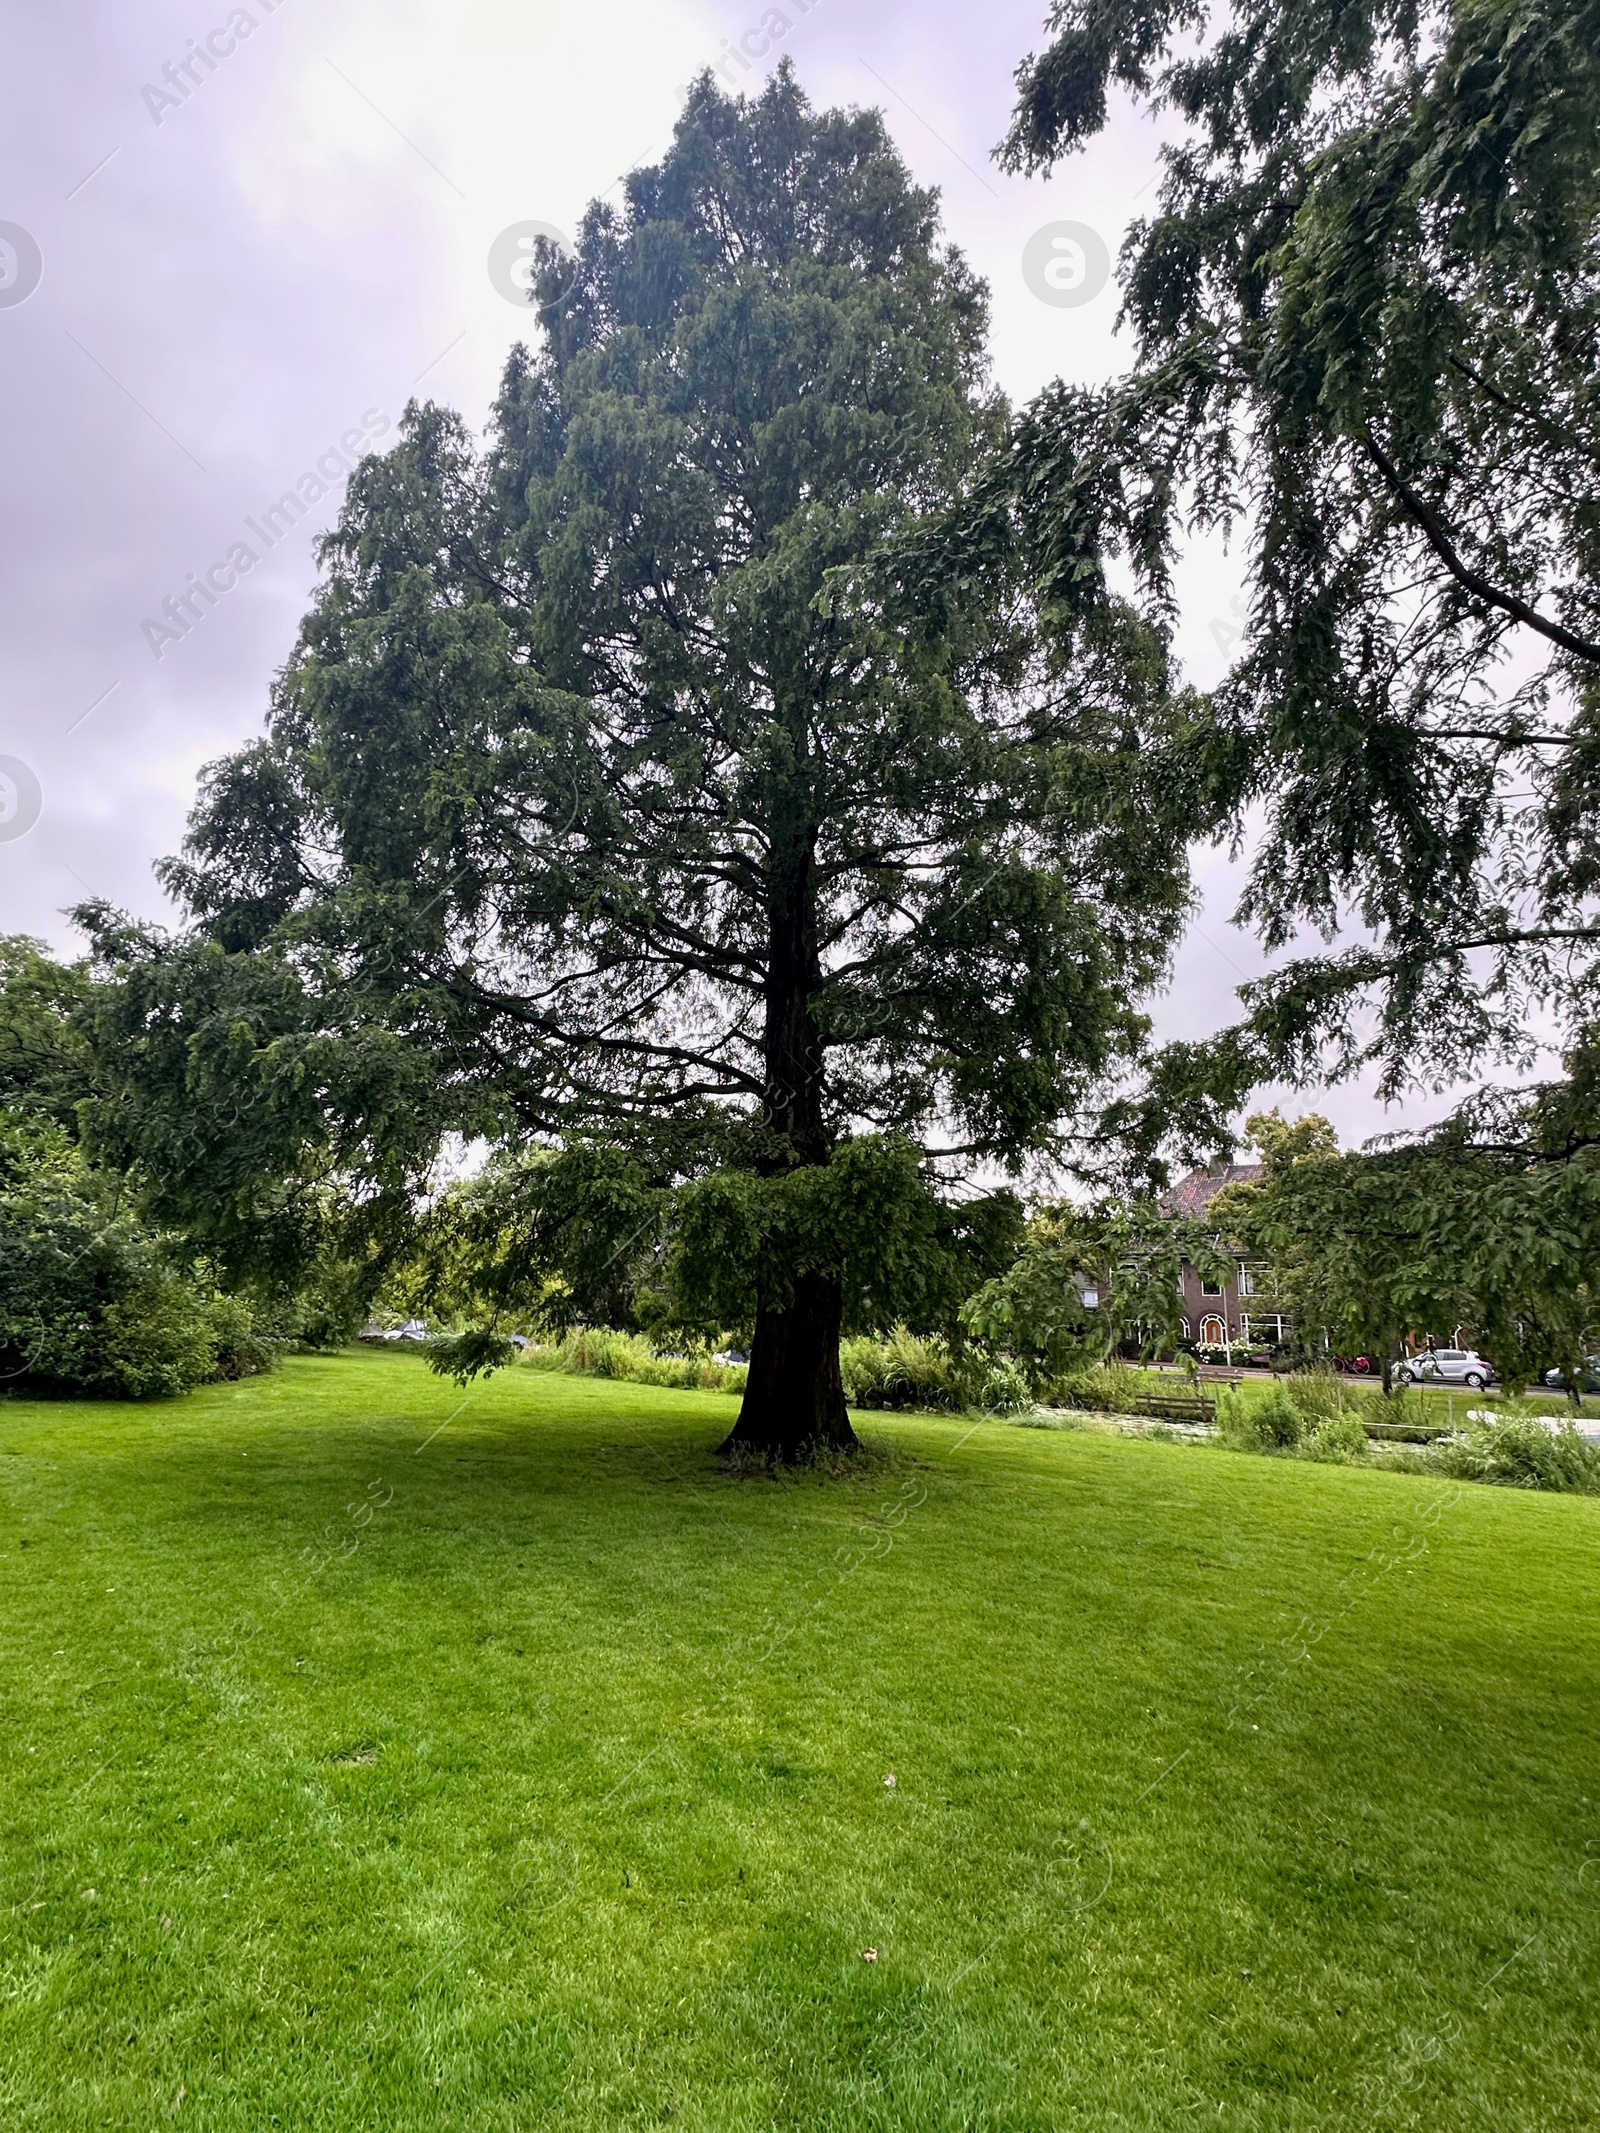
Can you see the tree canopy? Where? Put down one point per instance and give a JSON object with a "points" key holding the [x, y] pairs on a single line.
{"points": [[1365, 318], [46, 1069]]}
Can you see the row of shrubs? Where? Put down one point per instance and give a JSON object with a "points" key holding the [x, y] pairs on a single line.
{"points": [[1312, 1418], [600, 1352], [902, 1371]]}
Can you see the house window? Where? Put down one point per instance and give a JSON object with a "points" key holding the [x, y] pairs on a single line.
{"points": [[1209, 1288], [1247, 1286], [1267, 1327]]}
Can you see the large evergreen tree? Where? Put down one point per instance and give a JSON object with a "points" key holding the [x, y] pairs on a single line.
{"points": [[639, 774]]}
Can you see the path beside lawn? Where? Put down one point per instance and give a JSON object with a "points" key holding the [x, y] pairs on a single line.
{"points": [[378, 1758]]}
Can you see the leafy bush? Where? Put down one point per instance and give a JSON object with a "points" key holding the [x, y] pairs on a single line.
{"points": [[903, 1371], [155, 1340], [90, 1300], [1318, 1395], [1232, 1427], [1406, 1408], [1338, 1440], [1521, 1452], [1273, 1424], [1107, 1389], [601, 1352], [241, 1348], [1005, 1389]]}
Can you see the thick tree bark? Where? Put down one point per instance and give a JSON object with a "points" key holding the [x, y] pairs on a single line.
{"points": [[794, 1396]]}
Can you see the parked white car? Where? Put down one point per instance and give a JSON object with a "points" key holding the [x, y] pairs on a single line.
{"points": [[1446, 1366]]}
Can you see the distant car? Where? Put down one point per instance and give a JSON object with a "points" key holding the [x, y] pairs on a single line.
{"points": [[1446, 1366], [1588, 1376], [410, 1329]]}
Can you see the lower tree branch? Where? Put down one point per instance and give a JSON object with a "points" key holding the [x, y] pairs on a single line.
{"points": [[1433, 531]]}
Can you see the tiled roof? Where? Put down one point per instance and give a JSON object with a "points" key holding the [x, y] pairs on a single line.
{"points": [[1193, 1195]]}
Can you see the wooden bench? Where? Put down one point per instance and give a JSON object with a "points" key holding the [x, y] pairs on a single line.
{"points": [[1410, 1432], [1178, 1407]]}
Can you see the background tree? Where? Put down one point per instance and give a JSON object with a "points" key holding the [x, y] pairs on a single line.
{"points": [[1366, 317], [1090, 1282], [1488, 1225], [46, 1057], [1338, 1238], [146, 1133], [257, 1114], [624, 775]]}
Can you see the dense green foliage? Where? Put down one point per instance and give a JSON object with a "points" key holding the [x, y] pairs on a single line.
{"points": [[601, 1352], [1510, 1444], [536, 1777], [1522, 1453], [1367, 324], [259, 1108], [91, 1300], [138, 1093], [46, 1059]]}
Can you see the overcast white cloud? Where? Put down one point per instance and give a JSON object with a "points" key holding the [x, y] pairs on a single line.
{"points": [[262, 227]]}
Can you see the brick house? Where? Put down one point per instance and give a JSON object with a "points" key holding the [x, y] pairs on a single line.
{"points": [[1228, 1315]]}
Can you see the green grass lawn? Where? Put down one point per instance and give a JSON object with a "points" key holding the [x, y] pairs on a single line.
{"points": [[374, 1760]]}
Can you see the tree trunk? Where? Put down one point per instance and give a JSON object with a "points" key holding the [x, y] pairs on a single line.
{"points": [[794, 1397]]}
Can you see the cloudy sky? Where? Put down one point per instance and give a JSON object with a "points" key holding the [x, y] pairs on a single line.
{"points": [[234, 242]]}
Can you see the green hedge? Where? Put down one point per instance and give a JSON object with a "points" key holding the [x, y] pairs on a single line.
{"points": [[93, 1302]]}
